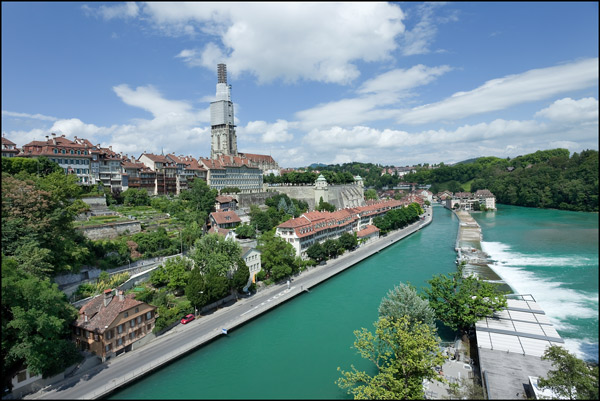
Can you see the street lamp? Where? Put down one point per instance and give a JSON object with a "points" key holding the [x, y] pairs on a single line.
{"points": [[196, 307]]}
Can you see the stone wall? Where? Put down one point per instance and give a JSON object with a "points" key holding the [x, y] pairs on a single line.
{"points": [[111, 230], [258, 198], [341, 196]]}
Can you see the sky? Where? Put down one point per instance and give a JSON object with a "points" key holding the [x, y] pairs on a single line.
{"points": [[386, 83]]}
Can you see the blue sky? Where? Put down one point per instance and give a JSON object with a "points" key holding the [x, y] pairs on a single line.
{"points": [[389, 83]]}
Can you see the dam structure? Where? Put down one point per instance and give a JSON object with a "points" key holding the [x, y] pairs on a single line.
{"points": [[510, 344]]}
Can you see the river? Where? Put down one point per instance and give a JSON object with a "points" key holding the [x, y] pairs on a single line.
{"points": [[293, 352], [552, 255]]}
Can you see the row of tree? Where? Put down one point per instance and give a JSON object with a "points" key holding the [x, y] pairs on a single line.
{"points": [[398, 218]]}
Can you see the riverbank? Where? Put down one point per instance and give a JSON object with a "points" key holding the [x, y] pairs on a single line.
{"points": [[109, 376]]}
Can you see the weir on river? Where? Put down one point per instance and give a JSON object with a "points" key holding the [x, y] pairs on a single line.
{"points": [[468, 247]]}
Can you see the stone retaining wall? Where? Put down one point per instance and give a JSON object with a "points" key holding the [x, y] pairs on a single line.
{"points": [[111, 230]]}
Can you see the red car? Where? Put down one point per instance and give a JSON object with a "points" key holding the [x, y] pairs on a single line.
{"points": [[187, 319]]}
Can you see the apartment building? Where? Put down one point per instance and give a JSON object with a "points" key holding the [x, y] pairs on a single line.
{"points": [[73, 157], [111, 323], [9, 148], [226, 171], [316, 226]]}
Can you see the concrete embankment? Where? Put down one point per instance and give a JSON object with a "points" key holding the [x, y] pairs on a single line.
{"points": [[181, 340], [468, 248]]}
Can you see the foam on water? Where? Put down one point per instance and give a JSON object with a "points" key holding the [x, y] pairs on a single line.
{"points": [[558, 302]]}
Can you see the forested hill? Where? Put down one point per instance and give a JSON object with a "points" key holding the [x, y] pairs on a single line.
{"points": [[546, 179]]}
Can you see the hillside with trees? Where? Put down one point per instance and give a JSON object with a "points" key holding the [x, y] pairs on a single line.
{"points": [[546, 179]]}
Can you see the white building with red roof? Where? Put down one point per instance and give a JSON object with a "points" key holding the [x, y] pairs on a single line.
{"points": [[228, 219], [316, 226], [73, 157], [9, 148]]}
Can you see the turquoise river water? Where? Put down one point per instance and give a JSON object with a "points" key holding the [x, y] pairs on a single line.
{"points": [[293, 351]]}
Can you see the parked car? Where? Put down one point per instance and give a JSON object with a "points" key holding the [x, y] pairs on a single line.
{"points": [[187, 319]]}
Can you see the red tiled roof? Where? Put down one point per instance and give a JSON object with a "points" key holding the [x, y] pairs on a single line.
{"points": [[100, 316], [7, 142], [314, 222], [368, 230], [258, 158], [225, 217], [224, 199]]}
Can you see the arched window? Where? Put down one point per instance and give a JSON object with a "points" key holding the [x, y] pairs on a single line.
{"points": [[55, 150], [72, 152], [62, 151]]}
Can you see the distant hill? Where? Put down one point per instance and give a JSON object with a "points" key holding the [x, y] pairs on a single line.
{"points": [[317, 165]]}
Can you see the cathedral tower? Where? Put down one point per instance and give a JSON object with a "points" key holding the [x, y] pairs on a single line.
{"points": [[222, 132]]}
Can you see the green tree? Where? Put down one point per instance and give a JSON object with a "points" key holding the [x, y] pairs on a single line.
{"points": [[403, 300], [371, 194], [316, 252], [459, 302], [196, 291], [571, 378], [135, 197], [36, 318], [325, 206], [404, 354], [348, 241], [245, 231], [240, 276], [277, 256], [332, 247], [215, 255], [178, 271], [200, 198]]}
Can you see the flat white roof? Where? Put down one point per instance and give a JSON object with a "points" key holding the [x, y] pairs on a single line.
{"points": [[521, 328]]}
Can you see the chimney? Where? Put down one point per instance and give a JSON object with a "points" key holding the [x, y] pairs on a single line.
{"points": [[53, 134], [85, 317], [107, 297], [75, 138], [121, 297]]}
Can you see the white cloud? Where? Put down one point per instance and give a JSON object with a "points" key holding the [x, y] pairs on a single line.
{"points": [[399, 80], [126, 10], [288, 41], [498, 94], [569, 110], [419, 39], [269, 133], [384, 90], [26, 115]]}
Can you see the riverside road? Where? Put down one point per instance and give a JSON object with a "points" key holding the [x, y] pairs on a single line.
{"points": [[108, 376]]}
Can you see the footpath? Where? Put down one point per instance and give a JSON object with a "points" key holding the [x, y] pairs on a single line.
{"points": [[104, 379]]}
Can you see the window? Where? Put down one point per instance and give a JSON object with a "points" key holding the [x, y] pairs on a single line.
{"points": [[137, 310], [132, 323], [62, 151], [108, 347], [139, 319], [132, 335], [86, 334], [109, 334], [120, 329], [77, 331], [96, 337], [72, 152], [120, 341], [149, 315], [125, 314], [55, 150]]}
